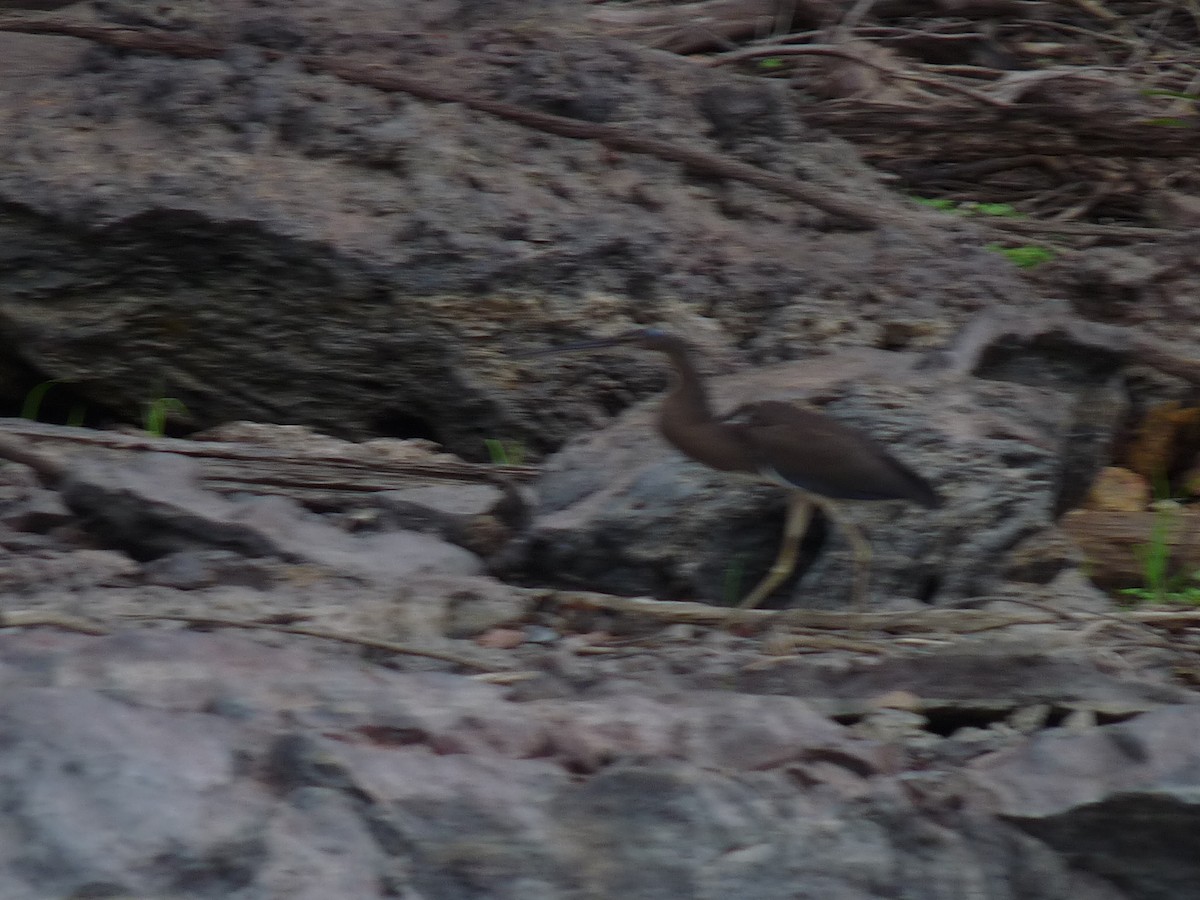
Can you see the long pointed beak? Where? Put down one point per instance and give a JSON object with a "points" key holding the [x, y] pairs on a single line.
{"points": [[593, 344]]}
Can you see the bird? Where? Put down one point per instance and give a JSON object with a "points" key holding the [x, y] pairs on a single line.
{"points": [[817, 459]]}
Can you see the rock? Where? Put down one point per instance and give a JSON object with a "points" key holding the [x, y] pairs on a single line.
{"points": [[194, 569], [1175, 209], [482, 518], [1112, 542], [39, 512], [994, 680], [104, 788], [620, 511], [501, 638], [1043, 557], [152, 506], [1121, 801], [263, 240], [145, 760], [1119, 490], [1166, 441], [464, 607], [51, 569], [429, 241]]}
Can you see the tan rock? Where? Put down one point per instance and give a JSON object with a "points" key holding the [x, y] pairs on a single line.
{"points": [[1119, 490]]}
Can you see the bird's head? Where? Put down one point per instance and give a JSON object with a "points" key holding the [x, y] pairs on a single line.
{"points": [[652, 339], [645, 338]]}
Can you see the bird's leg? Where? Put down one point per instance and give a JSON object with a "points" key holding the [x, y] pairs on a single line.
{"points": [[799, 513], [861, 546]]}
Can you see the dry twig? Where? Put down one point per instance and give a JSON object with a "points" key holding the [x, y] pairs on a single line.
{"points": [[857, 58], [35, 618], [369, 643]]}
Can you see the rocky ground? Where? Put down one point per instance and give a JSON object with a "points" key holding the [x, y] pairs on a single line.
{"points": [[265, 662]]}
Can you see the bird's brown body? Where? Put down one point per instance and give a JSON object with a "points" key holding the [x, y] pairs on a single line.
{"points": [[795, 447], [811, 454]]}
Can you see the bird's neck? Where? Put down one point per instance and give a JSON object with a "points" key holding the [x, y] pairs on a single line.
{"points": [[687, 388]]}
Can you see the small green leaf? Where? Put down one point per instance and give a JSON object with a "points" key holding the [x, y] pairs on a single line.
{"points": [[937, 203], [32, 406], [1024, 257], [997, 209], [1163, 92], [157, 412], [505, 453], [496, 452], [731, 581]]}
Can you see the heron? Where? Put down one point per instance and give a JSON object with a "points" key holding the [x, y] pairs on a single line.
{"points": [[817, 459]]}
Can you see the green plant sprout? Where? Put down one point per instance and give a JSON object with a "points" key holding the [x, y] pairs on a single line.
{"points": [[1164, 92], [505, 453], [1158, 584], [1024, 257], [937, 203], [1006, 210], [32, 407], [731, 581], [157, 411], [771, 62], [970, 207], [1171, 121]]}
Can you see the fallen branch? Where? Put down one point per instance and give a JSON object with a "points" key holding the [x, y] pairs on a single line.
{"points": [[929, 621], [27, 618], [856, 212], [955, 621], [37, 618], [993, 328], [356, 461], [690, 27], [369, 643], [859, 58]]}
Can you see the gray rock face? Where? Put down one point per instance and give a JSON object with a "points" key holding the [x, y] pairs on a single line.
{"points": [[154, 506], [197, 765], [596, 757], [1137, 826], [273, 244], [263, 239]]}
